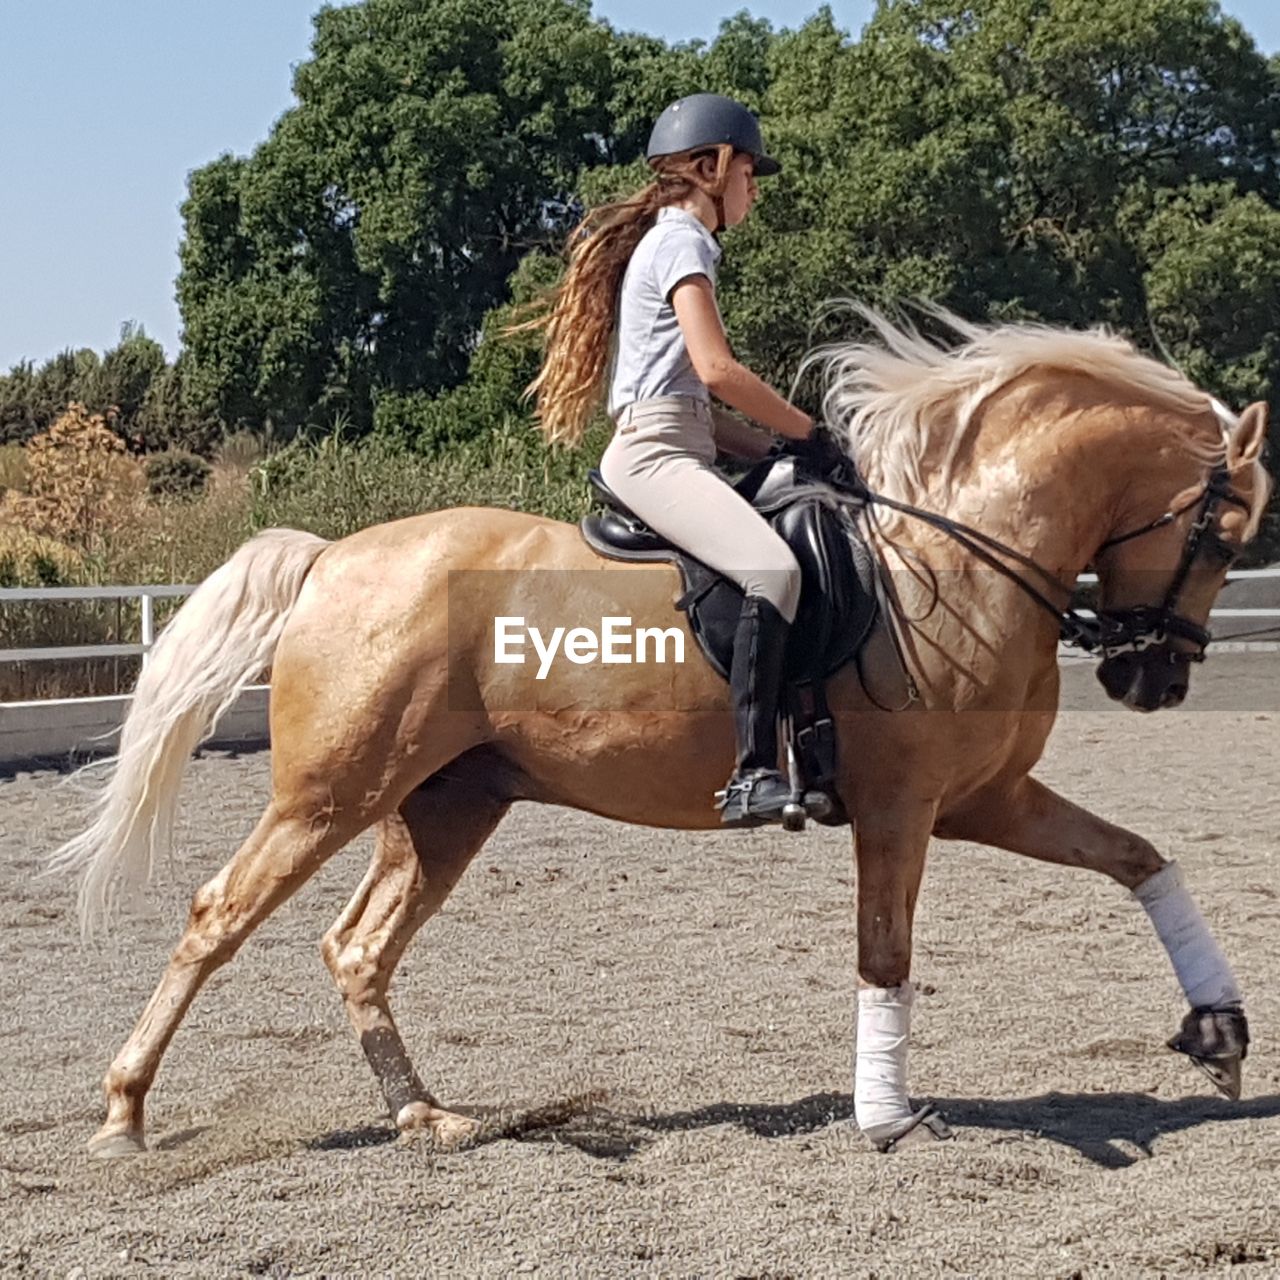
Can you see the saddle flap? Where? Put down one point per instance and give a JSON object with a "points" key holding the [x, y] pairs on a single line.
{"points": [[837, 602]]}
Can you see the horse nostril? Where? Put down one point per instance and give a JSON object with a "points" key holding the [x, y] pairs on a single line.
{"points": [[1174, 694]]}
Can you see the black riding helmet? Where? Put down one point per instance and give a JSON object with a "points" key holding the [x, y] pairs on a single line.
{"points": [[709, 120]]}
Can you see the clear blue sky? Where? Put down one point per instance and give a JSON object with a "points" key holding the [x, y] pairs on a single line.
{"points": [[106, 105]]}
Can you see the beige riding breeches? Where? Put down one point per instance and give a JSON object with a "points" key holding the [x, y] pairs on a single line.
{"points": [[659, 463]]}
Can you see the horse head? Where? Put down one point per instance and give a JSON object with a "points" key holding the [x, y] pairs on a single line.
{"points": [[1184, 523], [1070, 447]]}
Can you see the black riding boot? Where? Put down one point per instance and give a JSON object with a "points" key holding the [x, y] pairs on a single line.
{"points": [[757, 792]]}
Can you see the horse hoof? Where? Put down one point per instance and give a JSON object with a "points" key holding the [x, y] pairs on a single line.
{"points": [[447, 1129], [114, 1146], [922, 1129], [1225, 1074], [1216, 1040], [453, 1131]]}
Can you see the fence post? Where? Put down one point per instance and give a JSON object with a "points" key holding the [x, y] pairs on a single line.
{"points": [[148, 627]]}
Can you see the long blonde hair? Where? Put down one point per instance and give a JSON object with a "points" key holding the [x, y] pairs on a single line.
{"points": [[579, 314]]}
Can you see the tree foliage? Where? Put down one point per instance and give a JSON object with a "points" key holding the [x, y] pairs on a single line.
{"points": [[131, 384], [358, 250]]}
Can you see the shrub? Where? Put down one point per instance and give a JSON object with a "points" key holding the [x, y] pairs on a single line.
{"points": [[80, 484], [335, 487], [241, 451], [31, 560], [176, 475], [13, 467]]}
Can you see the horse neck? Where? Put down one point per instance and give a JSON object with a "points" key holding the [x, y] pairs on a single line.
{"points": [[1049, 474], [1045, 470]]}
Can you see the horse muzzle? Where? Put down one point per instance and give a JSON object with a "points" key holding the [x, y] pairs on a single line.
{"points": [[1149, 680]]}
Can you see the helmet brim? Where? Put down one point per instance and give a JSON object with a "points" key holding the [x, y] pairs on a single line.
{"points": [[763, 166]]}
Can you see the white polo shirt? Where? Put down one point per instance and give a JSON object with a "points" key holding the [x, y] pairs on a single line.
{"points": [[650, 357]]}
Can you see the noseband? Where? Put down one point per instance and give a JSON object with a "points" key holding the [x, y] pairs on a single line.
{"points": [[1142, 627]]}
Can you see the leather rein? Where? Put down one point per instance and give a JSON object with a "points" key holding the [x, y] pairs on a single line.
{"points": [[1109, 632]]}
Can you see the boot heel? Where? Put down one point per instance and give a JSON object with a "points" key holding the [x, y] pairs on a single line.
{"points": [[740, 806]]}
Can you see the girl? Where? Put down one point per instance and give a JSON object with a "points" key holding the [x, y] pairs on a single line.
{"points": [[643, 271]]}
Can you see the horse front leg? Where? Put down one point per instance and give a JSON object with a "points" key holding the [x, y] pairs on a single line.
{"points": [[890, 849], [1032, 820]]}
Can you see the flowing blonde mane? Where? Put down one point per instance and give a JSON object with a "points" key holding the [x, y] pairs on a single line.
{"points": [[895, 398]]}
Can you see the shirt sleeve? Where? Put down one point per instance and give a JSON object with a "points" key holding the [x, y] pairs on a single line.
{"points": [[684, 253]]}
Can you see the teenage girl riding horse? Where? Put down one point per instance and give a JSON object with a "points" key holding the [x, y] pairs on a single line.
{"points": [[642, 276]]}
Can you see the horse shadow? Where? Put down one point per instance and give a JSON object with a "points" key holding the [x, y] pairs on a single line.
{"points": [[1089, 1123], [67, 764], [1092, 1124]]}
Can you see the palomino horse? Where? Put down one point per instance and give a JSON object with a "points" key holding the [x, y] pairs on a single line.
{"points": [[389, 707]]}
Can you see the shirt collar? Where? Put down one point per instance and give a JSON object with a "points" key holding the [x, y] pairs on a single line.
{"points": [[672, 213]]}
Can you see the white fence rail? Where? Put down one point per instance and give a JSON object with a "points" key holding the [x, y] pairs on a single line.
{"points": [[48, 653], [1250, 603], [59, 727]]}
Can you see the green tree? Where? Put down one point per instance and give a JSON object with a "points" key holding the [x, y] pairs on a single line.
{"points": [[1001, 156], [1214, 292], [17, 404], [492, 395], [65, 378], [1214, 289], [122, 379], [359, 248], [170, 417]]}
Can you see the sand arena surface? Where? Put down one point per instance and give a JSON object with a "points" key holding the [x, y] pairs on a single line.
{"points": [[658, 1030]]}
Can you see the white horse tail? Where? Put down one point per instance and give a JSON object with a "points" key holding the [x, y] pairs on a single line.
{"points": [[223, 637]]}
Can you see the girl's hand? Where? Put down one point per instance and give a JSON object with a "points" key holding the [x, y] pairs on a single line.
{"points": [[824, 455]]}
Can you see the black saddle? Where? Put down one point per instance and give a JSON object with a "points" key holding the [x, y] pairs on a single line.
{"points": [[838, 599]]}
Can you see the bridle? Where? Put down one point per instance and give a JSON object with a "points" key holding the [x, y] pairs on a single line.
{"points": [[1109, 632], [1142, 627]]}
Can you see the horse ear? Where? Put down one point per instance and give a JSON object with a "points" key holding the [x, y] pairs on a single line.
{"points": [[1249, 436]]}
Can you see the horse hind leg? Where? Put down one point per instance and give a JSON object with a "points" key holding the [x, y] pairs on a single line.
{"points": [[284, 851], [422, 852]]}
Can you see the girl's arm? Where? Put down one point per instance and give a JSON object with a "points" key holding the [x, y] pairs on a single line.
{"points": [[695, 307]]}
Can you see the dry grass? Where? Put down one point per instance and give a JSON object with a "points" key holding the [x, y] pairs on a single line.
{"points": [[80, 488], [84, 518], [13, 467]]}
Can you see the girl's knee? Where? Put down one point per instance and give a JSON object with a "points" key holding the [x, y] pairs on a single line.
{"points": [[790, 602], [778, 583]]}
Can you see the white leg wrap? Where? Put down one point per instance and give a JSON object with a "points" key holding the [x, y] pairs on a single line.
{"points": [[1197, 959], [880, 1074]]}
